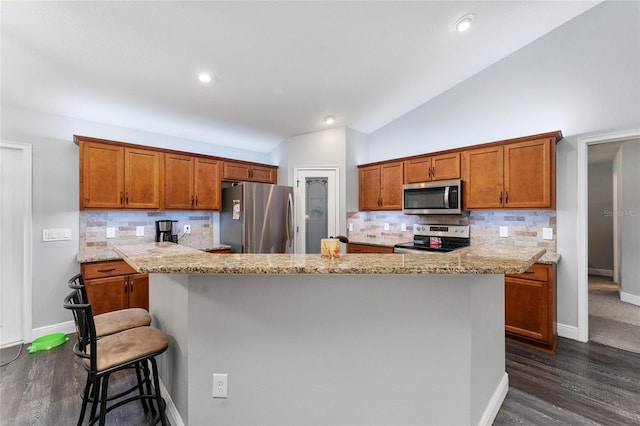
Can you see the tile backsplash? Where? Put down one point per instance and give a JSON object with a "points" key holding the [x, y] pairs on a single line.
{"points": [[524, 227], [94, 224]]}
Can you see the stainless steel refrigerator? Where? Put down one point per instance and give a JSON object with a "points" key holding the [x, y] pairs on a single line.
{"points": [[257, 218]]}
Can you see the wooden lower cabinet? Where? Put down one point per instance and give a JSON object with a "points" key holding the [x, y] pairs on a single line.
{"points": [[367, 248], [530, 307], [114, 285]]}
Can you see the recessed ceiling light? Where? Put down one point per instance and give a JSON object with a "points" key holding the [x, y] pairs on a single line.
{"points": [[204, 77], [329, 119], [464, 23]]}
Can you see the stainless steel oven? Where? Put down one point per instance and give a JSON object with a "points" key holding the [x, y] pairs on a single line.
{"points": [[438, 197], [438, 238]]}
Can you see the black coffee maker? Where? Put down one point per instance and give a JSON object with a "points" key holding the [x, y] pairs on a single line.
{"points": [[164, 231]]}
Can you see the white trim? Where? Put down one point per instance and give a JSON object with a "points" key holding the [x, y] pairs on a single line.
{"points": [[583, 222], [630, 298], [568, 331], [495, 402], [173, 416], [67, 327], [27, 224], [601, 272]]}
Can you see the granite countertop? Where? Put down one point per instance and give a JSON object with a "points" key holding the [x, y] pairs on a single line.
{"points": [[176, 259], [102, 254]]}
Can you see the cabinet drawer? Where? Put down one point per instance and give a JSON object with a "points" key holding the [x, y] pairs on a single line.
{"points": [[537, 272], [106, 269]]}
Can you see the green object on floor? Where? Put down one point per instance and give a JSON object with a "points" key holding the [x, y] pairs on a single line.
{"points": [[47, 342]]}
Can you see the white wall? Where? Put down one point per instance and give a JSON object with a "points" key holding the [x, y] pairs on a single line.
{"points": [[322, 149], [55, 193], [581, 78], [600, 218], [629, 216]]}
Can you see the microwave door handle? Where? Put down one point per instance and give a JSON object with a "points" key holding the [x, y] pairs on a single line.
{"points": [[446, 197]]}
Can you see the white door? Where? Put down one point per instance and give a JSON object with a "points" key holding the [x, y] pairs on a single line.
{"points": [[15, 243], [316, 192]]}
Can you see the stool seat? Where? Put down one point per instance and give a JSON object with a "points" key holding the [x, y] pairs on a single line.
{"points": [[124, 319], [128, 346]]}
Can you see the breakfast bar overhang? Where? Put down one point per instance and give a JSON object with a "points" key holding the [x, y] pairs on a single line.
{"points": [[361, 339]]}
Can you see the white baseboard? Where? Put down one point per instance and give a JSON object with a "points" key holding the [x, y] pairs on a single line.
{"points": [[630, 298], [173, 416], [601, 272], [568, 331], [63, 327], [492, 408]]}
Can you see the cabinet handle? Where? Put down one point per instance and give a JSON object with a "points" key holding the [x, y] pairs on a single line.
{"points": [[506, 198], [106, 270], [126, 197], [121, 197], [500, 197], [125, 287], [131, 286], [429, 172], [192, 201], [196, 200], [433, 171], [528, 273]]}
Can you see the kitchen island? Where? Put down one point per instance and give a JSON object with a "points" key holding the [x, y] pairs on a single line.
{"points": [[360, 339]]}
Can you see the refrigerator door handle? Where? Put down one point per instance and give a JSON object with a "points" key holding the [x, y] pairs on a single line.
{"points": [[290, 218]]}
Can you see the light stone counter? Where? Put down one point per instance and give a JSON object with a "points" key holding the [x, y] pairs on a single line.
{"points": [[101, 254], [167, 258]]}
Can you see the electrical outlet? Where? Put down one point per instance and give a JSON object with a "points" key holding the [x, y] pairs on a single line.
{"points": [[386, 226], [187, 229], [139, 231], [547, 233], [504, 231], [403, 227], [220, 385], [111, 232], [351, 227]]}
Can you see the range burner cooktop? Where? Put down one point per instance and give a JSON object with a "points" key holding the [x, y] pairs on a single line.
{"points": [[439, 238]]}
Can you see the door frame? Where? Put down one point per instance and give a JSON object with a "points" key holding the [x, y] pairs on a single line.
{"points": [[583, 220], [300, 206], [27, 224]]}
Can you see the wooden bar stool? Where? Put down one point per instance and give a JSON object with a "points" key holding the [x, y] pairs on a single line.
{"points": [[104, 356]]}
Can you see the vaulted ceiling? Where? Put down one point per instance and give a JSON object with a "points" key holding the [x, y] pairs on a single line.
{"points": [[278, 67]]}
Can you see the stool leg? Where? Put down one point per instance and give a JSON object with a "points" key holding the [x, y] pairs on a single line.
{"points": [[143, 401], [156, 385], [85, 400], [103, 399], [95, 394]]}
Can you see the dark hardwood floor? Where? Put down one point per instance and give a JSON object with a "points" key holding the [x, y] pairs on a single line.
{"points": [[582, 384]]}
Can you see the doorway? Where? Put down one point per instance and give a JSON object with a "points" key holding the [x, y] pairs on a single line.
{"points": [[583, 221], [316, 192], [15, 243]]}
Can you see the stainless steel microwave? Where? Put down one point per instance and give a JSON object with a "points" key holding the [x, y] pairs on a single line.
{"points": [[437, 197]]}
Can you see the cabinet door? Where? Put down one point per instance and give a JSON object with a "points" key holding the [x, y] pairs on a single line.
{"points": [[366, 248], [262, 174], [445, 166], [138, 290], [417, 170], [235, 171], [369, 188], [527, 174], [207, 184], [142, 178], [527, 308], [178, 182], [482, 175], [107, 294], [101, 176], [391, 180]]}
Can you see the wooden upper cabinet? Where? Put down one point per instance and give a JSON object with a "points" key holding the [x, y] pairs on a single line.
{"points": [[191, 183], [380, 186], [528, 174], [115, 177], [101, 176], [207, 184], [482, 172], [236, 170], [517, 175], [142, 178], [428, 168]]}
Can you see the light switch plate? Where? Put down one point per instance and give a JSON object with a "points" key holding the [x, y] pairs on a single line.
{"points": [[547, 233], [351, 227], [139, 231], [111, 232], [56, 234], [403, 227], [504, 231]]}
